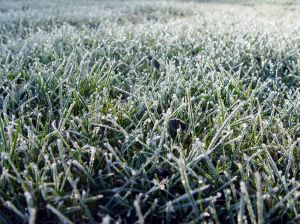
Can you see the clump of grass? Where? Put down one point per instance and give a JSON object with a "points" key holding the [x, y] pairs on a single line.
{"points": [[151, 112]]}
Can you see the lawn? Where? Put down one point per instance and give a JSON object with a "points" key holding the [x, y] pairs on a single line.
{"points": [[149, 111]]}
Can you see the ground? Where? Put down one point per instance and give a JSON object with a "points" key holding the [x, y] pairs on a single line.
{"points": [[149, 111]]}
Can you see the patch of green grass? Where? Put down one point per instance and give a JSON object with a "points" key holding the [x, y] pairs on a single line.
{"points": [[90, 93]]}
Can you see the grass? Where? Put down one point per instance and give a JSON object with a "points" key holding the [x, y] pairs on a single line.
{"points": [[92, 94]]}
